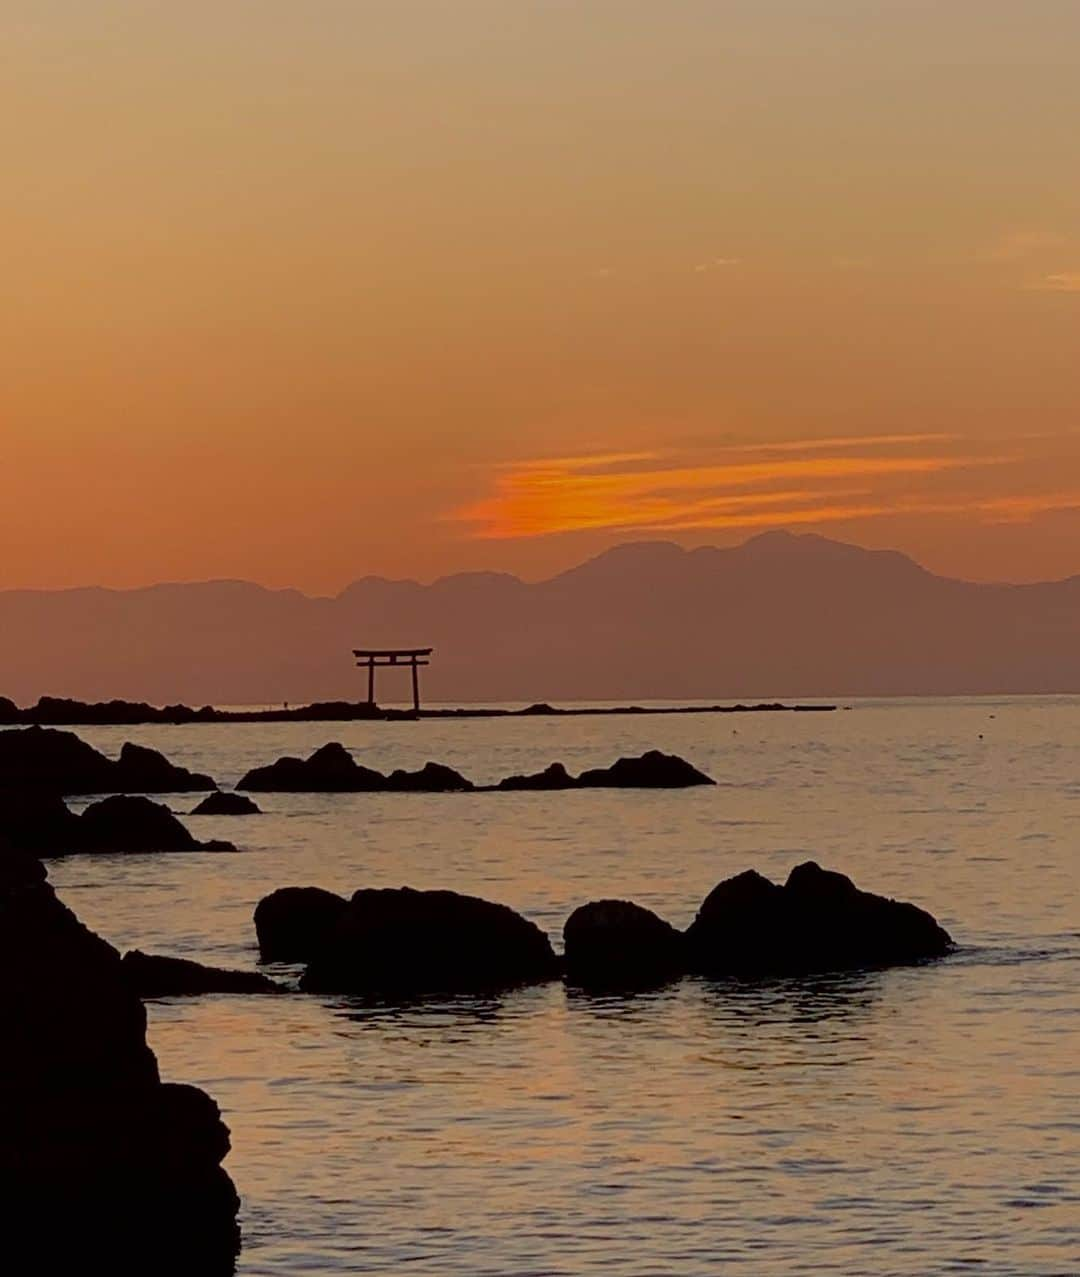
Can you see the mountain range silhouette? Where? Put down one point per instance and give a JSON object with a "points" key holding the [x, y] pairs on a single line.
{"points": [[781, 615]]}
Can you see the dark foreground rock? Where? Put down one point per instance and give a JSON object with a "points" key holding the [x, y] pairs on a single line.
{"points": [[292, 922], [223, 804], [59, 762], [103, 1168], [818, 921], [402, 943], [151, 976], [615, 944], [42, 824], [652, 770]]}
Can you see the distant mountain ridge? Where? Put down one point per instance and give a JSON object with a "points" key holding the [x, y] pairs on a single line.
{"points": [[781, 615]]}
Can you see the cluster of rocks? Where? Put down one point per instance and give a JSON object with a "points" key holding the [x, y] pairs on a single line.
{"points": [[39, 766], [42, 824], [332, 769], [43, 758], [402, 942], [103, 1167]]}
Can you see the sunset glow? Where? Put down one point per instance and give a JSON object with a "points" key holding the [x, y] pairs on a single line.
{"points": [[297, 294]]}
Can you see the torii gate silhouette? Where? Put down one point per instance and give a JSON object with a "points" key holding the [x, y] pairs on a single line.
{"points": [[373, 657]]}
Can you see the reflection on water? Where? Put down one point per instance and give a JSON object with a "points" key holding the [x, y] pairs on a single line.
{"points": [[913, 1121]]}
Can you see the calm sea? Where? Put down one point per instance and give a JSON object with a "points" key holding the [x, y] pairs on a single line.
{"points": [[917, 1121]]}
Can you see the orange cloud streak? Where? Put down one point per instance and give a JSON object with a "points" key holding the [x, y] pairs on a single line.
{"points": [[540, 498]]}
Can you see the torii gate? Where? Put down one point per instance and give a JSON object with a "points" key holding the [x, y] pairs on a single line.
{"points": [[411, 656]]}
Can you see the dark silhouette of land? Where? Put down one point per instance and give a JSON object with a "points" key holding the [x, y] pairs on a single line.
{"points": [[51, 711], [779, 617]]}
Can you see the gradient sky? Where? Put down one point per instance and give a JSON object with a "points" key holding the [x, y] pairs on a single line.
{"points": [[298, 292]]}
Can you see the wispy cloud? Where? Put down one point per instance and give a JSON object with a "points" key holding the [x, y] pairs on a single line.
{"points": [[716, 263], [829, 479], [1063, 282], [1021, 244]]}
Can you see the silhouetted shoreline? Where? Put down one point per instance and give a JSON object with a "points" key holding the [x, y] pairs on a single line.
{"points": [[53, 711]]}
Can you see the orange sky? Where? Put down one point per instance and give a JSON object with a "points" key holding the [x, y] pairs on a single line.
{"points": [[302, 292]]}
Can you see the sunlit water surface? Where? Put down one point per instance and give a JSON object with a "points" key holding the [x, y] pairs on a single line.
{"points": [[915, 1121]]}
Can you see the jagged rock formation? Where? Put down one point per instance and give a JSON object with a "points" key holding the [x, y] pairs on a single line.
{"points": [[817, 921], [59, 762], [652, 770], [332, 769], [103, 1168], [40, 823]]}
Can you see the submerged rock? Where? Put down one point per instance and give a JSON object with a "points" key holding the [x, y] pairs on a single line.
{"points": [[653, 770], [227, 804], [331, 769], [399, 942], [60, 762], [615, 944], [151, 976], [293, 922], [818, 921], [104, 1168]]}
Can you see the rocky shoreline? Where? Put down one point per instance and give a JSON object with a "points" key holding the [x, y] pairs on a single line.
{"points": [[53, 711]]}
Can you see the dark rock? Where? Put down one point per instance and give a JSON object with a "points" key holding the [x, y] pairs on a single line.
{"points": [[151, 976], [330, 770], [43, 758], [219, 804], [146, 771], [402, 943], [818, 921], [135, 824], [653, 770], [103, 1168], [553, 777], [9, 711], [38, 822], [293, 922], [432, 778], [615, 944]]}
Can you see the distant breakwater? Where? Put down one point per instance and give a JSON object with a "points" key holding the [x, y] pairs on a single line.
{"points": [[52, 711]]}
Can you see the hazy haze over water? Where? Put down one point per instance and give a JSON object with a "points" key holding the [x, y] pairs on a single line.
{"points": [[905, 1122]]}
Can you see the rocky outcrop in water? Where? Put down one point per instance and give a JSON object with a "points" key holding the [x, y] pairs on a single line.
{"points": [[152, 976], [615, 944], [652, 770], [292, 922], [227, 804], [103, 1168], [332, 769], [817, 921], [59, 762], [40, 823], [400, 942], [329, 770]]}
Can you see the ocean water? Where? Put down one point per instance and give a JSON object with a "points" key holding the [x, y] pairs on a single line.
{"points": [[914, 1121]]}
